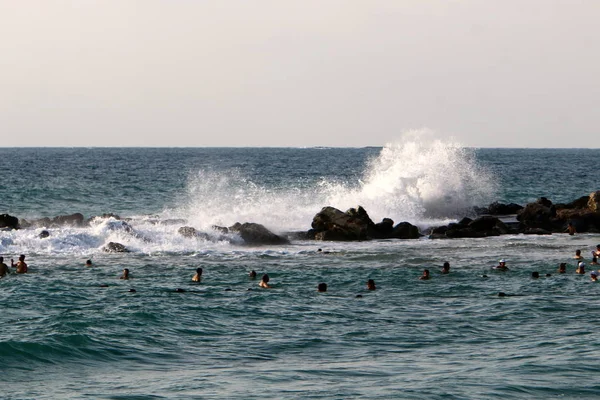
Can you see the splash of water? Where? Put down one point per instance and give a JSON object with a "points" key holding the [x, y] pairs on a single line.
{"points": [[415, 179]]}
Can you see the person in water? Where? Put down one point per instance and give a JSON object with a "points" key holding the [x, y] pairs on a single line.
{"points": [[571, 229], [198, 276], [578, 255], [594, 276], [20, 265], [580, 268], [597, 251], [371, 284], [501, 265], [264, 282], [446, 268], [88, 263], [252, 274], [535, 274], [594, 260], [425, 275], [562, 268], [125, 274], [3, 268], [322, 287]]}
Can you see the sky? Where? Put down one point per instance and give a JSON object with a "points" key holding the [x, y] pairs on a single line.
{"points": [[287, 73]]}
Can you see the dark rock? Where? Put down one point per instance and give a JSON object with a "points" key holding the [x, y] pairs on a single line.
{"points": [[544, 201], [187, 231], [76, 219], [580, 203], [405, 230], [44, 234], [487, 223], [504, 209], [257, 234], [354, 224], [8, 221], [536, 213], [465, 221], [114, 247], [382, 230]]}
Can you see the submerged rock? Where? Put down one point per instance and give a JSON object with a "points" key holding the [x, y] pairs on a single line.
{"points": [[257, 234], [114, 247], [44, 234], [8, 221], [190, 232]]}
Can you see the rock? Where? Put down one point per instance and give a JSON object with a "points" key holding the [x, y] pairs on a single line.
{"points": [[257, 234], [536, 231], [465, 221], [594, 202], [537, 215], [504, 209], [189, 232], [354, 224], [8, 221], [114, 247], [483, 226], [405, 230], [44, 234], [488, 223], [76, 219], [382, 230], [221, 229], [580, 203]]}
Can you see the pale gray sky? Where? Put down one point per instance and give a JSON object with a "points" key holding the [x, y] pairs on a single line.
{"points": [[506, 73]]}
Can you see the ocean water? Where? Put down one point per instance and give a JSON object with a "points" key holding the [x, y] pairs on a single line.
{"points": [[71, 332]]}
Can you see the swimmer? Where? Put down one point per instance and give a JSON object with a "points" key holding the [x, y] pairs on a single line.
{"points": [[597, 251], [88, 263], [20, 265], [594, 260], [501, 265], [562, 268], [371, 284], [535, 275], [580, 268], [264, 282], [578, 255], [446, 268], [571, 229], [425, 275], [252, 274], [322, 287], [3, 268], [125, 274], [594, 276], [198, 276]]}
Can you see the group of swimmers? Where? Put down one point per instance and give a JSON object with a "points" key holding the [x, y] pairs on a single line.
{"points": [[21, 268]]}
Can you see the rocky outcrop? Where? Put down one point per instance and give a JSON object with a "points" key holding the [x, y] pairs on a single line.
{"points": [[257, 234], [8, 221], [190, 232], [594, 202], [503, 209], [539, 214], [332, 224], [466, 228], [114, 247]]}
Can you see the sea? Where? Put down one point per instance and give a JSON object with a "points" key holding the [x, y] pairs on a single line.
{"points": [[68, 331]]}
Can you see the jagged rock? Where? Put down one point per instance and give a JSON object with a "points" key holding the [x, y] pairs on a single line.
{"points": [[187, 231], [580, 203], [44, 234], [497, 208], [76, 219], [114, 247], [8, 221], [354, 224], [481, 227], [405, 230], [594, 201], [465, 221], [537, 215], [221, 229], [383, 229], [257, 234]]}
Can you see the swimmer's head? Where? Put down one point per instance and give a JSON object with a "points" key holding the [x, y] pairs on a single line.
{"points": [[265, 278], [252, 274], [88, 262], [1, 259], [446, 265], [22, 257], [371, 284], [502, 261], [322, 287], [577, 252], [199, 271], [535, 274]]}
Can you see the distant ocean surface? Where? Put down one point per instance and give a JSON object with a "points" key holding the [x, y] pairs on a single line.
{"points": [[71, 332]]}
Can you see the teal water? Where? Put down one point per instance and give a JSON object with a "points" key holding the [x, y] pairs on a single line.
{"points": [[64, 336]]}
